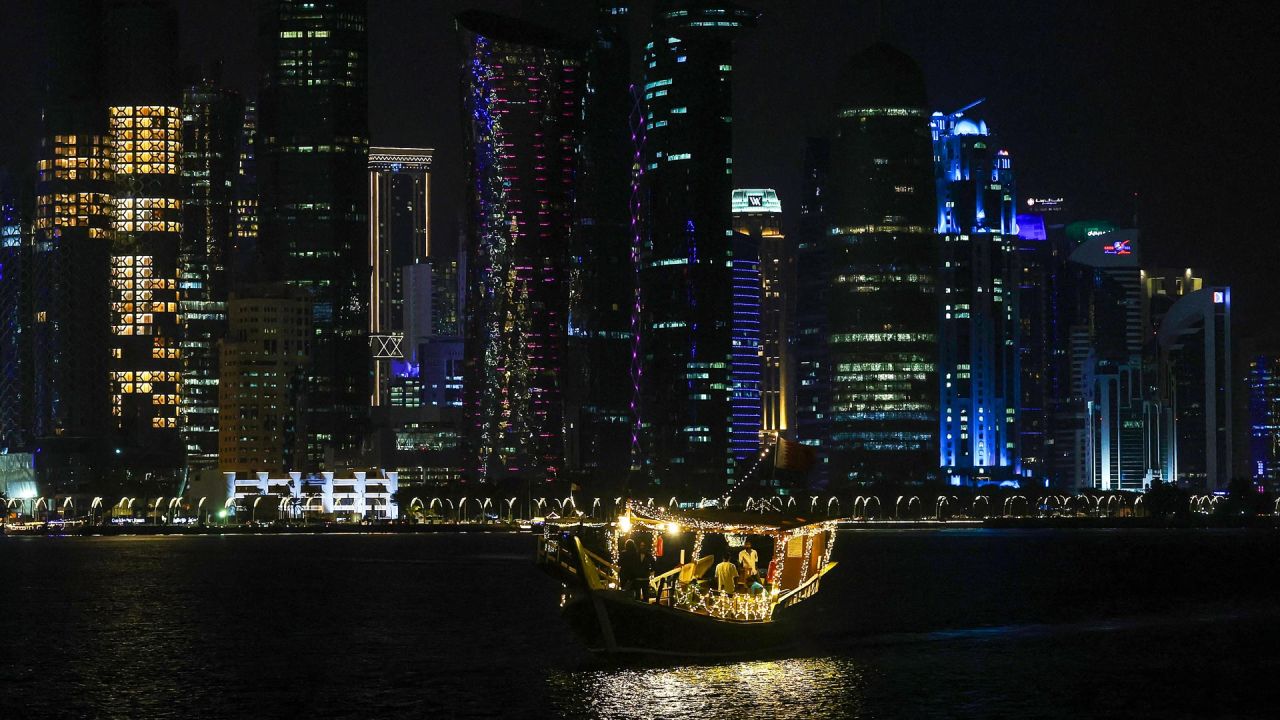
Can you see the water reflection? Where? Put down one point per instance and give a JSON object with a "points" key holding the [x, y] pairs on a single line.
{"points": [[789, 688]]}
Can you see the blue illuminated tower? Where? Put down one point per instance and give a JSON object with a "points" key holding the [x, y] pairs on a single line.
{"points": [[979, 367], [686, 263], [745, 374], [1264, 418]]}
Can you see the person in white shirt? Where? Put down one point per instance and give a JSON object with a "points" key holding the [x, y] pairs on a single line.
{"points": [[748, 558], [727, 576]]}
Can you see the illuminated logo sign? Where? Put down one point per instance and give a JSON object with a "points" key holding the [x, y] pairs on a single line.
{"points": [[755, 201], [1045, 203], [1119, 247], [1219, 297]]}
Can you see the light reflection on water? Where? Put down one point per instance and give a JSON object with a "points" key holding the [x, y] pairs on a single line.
{"points": [[789, 688]]}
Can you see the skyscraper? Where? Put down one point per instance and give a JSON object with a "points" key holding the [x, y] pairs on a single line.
{"points": [[1196, 378], [211, 125], [312, 154], [399, 237], [245, 257], [145, 129], [15, 309], [1109, 391], [1264, 418], [757, 219], [598, 380], [71, 256], [523, 103], [980, 365], [881, 309], [1042, 338], [262, 387], [686, 266], [808, 331]]}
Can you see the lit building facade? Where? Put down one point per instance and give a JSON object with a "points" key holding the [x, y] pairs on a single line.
{"points": [[523, 95], [1194, 340], [361, 496], [598, 390], [399, 237], [262, 385], [413, 307], [147, 219], [211, 125], [1264, 419], [979, 372], [757, 219], [880, 411], [686, 262], [1118, 438], [746, 369], [312, 155]]}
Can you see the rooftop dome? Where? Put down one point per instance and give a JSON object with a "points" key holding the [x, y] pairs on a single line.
{"points": [[882, 76]]}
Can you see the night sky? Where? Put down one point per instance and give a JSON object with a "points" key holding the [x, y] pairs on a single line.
{"points": [[1096, 101]]}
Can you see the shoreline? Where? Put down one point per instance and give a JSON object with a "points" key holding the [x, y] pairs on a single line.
{"points": [[1196, 522]]}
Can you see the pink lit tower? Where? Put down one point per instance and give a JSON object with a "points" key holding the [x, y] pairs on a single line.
{"points": [[523, 94]]}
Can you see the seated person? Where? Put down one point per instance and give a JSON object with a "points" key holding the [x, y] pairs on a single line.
{"points": [[754, 586], [727, 575]]}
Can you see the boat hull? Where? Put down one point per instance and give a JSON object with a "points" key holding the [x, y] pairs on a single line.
{"points": [[611, 622]]}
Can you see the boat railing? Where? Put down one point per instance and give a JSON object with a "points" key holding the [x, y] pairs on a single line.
{"points": [[561, 557], [689, 596], [805, 590]]}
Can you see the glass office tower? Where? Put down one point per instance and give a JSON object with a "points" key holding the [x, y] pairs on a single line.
{"points": [[686, 262], [881, 325], [311, 154]]}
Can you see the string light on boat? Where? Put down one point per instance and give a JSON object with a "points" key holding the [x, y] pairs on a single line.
{"points": [[724, 499], [726, 606]]}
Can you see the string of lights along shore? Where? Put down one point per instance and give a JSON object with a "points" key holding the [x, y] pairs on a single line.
{"points": [[221, 288]]}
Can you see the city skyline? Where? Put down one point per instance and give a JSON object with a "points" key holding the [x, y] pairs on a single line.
{"points": [[911, 259], [1075, 90]]}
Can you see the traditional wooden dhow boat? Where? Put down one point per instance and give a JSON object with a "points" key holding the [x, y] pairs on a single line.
{"points": [[679, 607]]}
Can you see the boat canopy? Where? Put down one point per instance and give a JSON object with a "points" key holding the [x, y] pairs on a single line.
{"points": [[716, 520]]}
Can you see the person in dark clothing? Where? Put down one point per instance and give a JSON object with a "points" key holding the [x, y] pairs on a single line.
{"points": [[647, 568], [630, 570]]}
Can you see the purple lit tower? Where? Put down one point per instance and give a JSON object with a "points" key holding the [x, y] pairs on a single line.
{"points": [[523, 100]]}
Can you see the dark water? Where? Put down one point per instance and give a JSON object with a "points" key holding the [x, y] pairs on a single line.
{"points": [[965, 623]]}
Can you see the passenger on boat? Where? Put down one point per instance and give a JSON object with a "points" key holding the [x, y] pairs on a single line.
{"points": [[630, 570], [727, 576], [754, 586], [748, 558], [646, 568]]}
